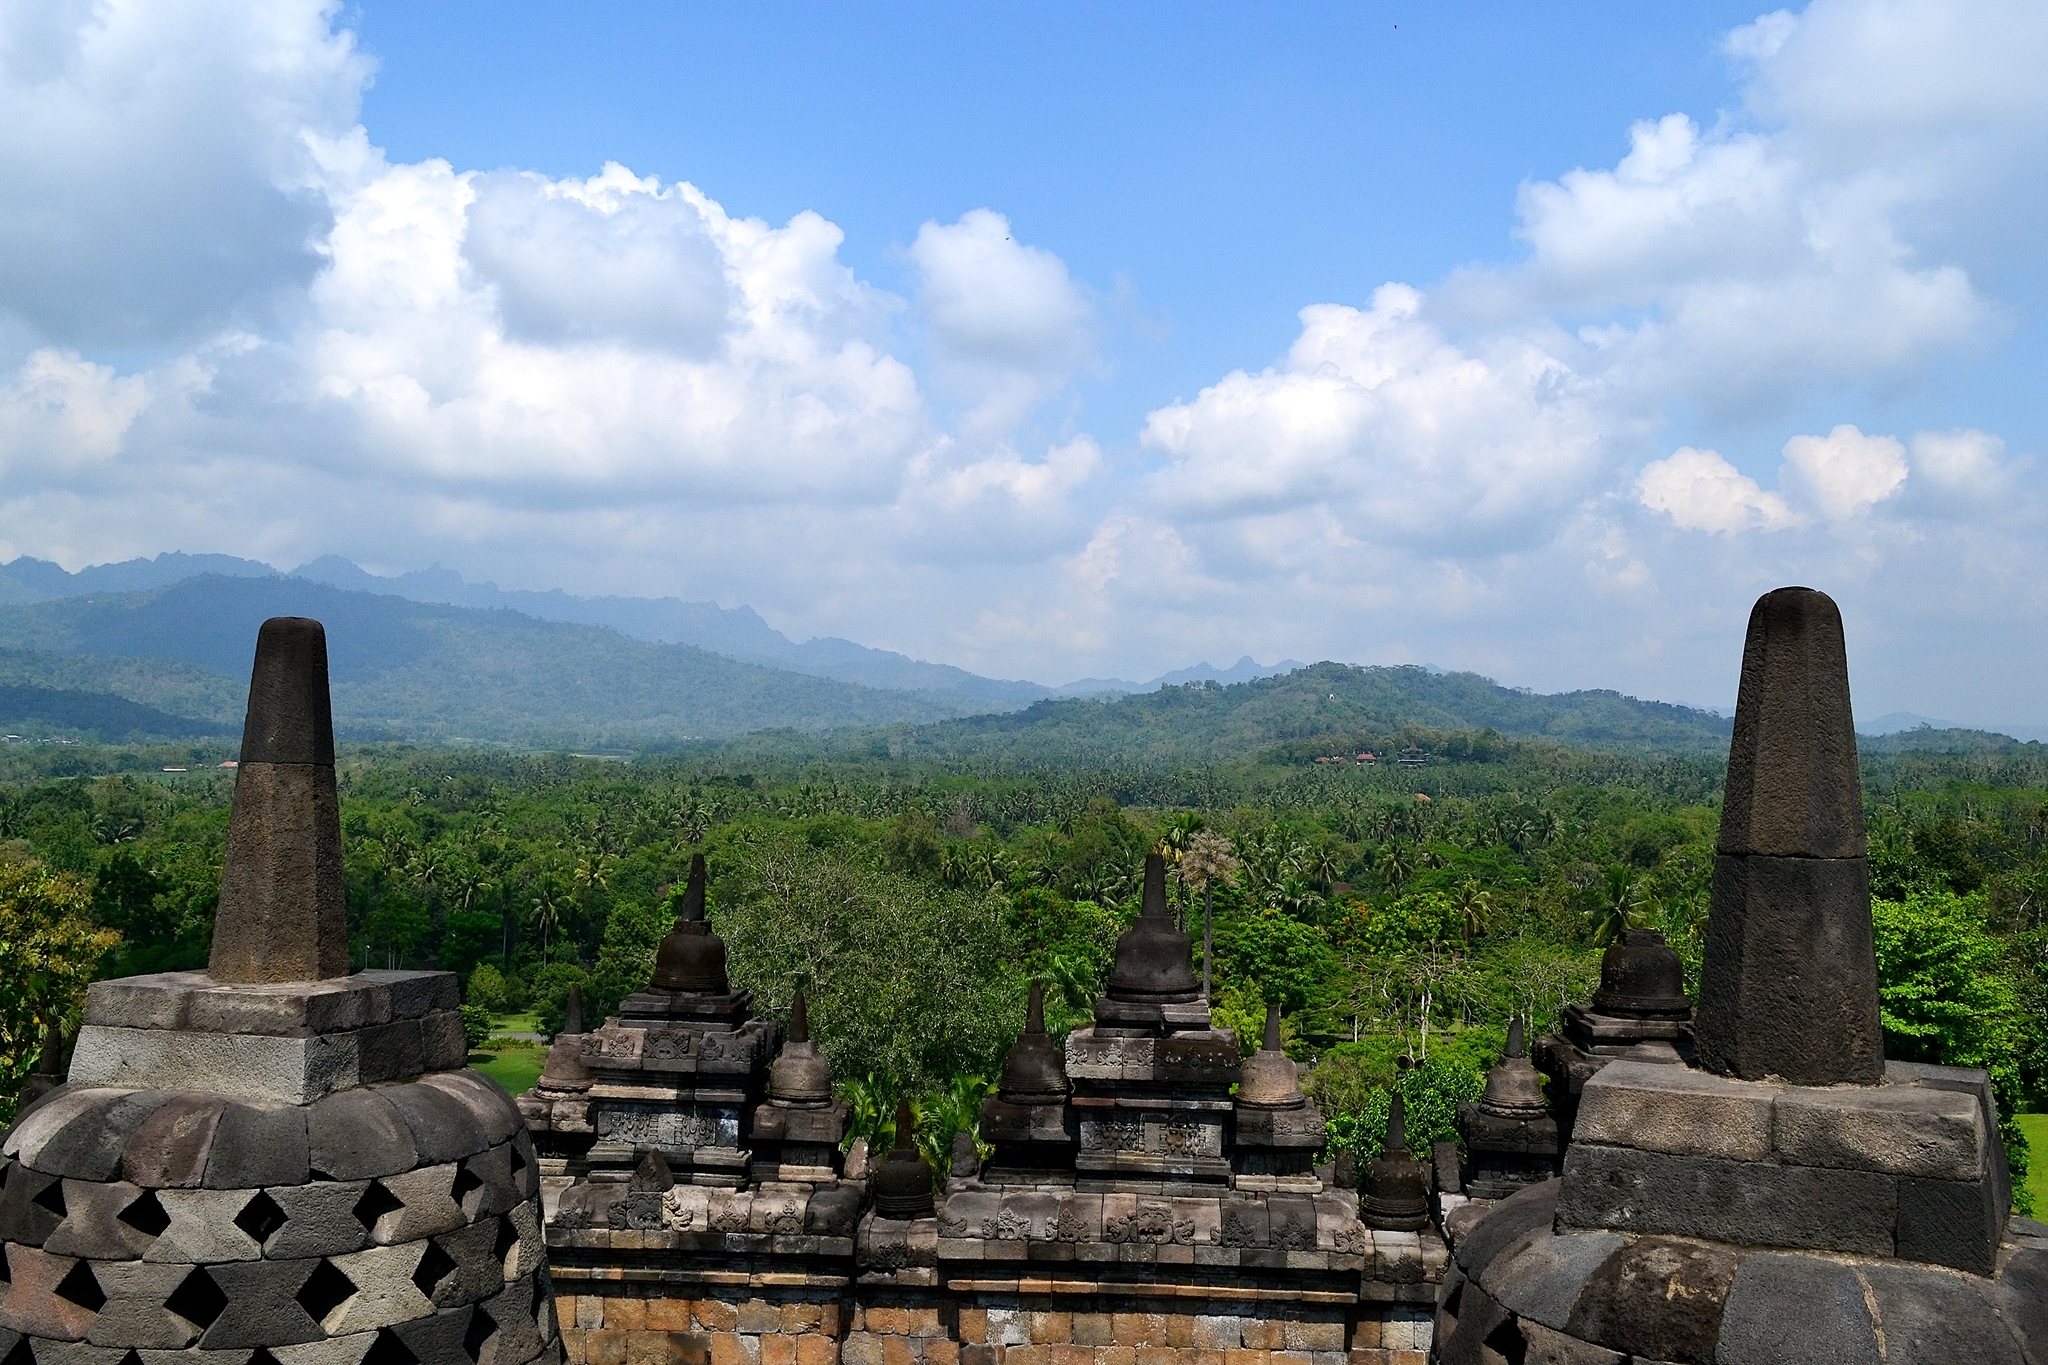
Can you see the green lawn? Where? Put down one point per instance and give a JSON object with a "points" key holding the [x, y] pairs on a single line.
{"points": [[514, 1023], [2035, 1126], [515, 1068]]}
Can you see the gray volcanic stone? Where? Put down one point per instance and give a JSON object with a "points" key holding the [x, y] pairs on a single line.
{"points": [[89, 1146], [319, 1220], [258, 1145], [25, 1213], [348, 1350], [1658, 1297], [1773, 1292], [443, 1128], [262, 1307], [1950, 1222], [1788, 986], [518, 1317], [92, 1224], [202, 1229], [485, 1099], [1543, 1346], [172, 1145], [476, 1272], [438, 1338], [281, 916], [1660, 1108], [1532, 1208], [2022, 1294], [1898, 1129], [42, 1121], [1788, 990], [443, 1044], [390, 1052], [385, 1292], [1745, 1203], [496, 1191], [134, 1313], [287, 1070], [32, 1305], [357, 1134], [1793, 788], [1541, 1275], [429, 1209], [1934, 1319]]}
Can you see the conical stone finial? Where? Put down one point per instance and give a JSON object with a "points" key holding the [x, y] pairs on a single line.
{"points": [[281, 912], [1397, 1128], [1155, 961], [1272, 1039], [799, 1018], [1034, 1072], [1788, 980], [691, 957], [572, 1015], [693, 893], [1517, 1044]]}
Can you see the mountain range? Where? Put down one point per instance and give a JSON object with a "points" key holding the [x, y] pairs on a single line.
{"points": [[160, 648]]}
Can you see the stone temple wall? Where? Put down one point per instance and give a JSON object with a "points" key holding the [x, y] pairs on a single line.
{"points": [[1028, 1321]]}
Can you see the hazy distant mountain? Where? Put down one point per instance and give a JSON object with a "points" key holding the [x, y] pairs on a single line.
{"points": [[427, 671], [1244, 670]]}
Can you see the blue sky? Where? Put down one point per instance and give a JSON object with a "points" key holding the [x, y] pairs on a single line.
{"points": [[1065, 341]]}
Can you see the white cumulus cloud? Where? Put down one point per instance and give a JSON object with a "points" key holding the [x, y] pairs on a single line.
{"points": [[1703, 492], [1845, 471]]}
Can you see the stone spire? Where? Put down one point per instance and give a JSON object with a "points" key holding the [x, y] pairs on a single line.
{"points": [[691, 957], [800, 1077], [903, 1185], [1513, 1089], [1033, 1070], [1155, 961], [1271, 1081], [1396, 1193], [281, 914], [1788, 985], [565, 1072]]}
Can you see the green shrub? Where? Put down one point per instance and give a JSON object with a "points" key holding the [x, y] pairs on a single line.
{"points": [[486, 989], [476, 1026]]}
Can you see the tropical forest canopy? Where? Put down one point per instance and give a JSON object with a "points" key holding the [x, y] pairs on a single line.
{"points": [[914, 880]]}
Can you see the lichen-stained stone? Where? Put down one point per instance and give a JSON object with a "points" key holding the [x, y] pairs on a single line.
{"points": [[1545, 1346], [35, 1128], [427, 1205], [358, 1134], [45, 1298], [385, 1292], [526, 1252], [443, 1127], [256, 1145], [89, 1146], [833, 1212], [172, 1145], [1659, 1297], [93, 1226], [203, 1229], [31, 1206], [146, 1308], [319, 1220]]}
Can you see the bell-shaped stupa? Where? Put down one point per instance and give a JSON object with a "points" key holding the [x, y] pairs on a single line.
{"points": [[275, 1160]]}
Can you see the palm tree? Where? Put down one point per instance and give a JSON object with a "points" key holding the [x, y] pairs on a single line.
{"points": [[1394, 864], [1207, 860], [1618, 901], [546, 914], [1475, 908]]}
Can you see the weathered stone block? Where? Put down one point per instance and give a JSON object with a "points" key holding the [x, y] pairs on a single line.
{"points": [[319, 1220], [357, 1134], [89, 1146], [348, 1350], [1658, 1297], [1771, 1293], [1789, 985], [203, 1229], [35, 1304], [263, 1307], [1540, 1274], [258, 1144], [1898, 1129], [93, 1226], [1677, 1109], [1745, 1203], [1950, 1222], [443, 1127], [246, 1066], [1938, 1317]]}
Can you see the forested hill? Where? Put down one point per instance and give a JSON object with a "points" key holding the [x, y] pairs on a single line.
{"points": [[420, 671], [1324, 709]]}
